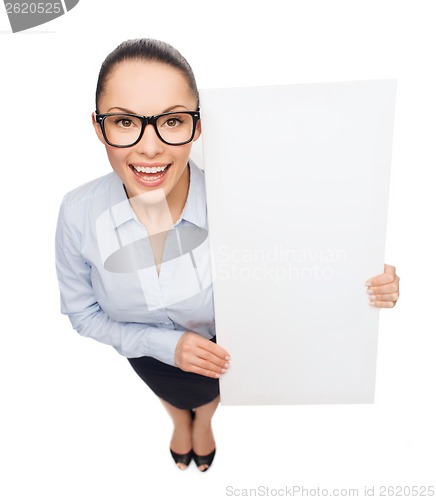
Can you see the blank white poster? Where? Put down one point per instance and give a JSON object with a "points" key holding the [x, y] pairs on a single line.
{"points": [[297, 180]]}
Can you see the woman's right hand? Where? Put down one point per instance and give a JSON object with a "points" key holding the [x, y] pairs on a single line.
{"points": [[196, 354]]}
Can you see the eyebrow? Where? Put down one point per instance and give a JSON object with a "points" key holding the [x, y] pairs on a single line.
{"points": [[167, 110]]}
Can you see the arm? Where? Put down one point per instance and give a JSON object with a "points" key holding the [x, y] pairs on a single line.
{"points": [[186, 350], [78, 301]]}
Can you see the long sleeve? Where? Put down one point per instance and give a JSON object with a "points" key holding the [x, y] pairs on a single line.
{"points": [[78, 301]]}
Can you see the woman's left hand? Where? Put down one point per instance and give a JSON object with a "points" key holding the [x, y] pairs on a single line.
{"points": [[384, 289]]}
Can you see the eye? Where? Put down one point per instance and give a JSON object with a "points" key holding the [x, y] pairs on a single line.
{"points": [[173, 121], [124, 122]]}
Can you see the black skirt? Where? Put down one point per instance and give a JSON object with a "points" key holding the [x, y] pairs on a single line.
{"points": [[184, 390]]}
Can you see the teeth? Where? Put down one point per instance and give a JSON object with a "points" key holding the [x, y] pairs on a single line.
{"points": [[149, 170]]}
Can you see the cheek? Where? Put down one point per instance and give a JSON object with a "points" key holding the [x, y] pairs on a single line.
{"points": [[183, 152], [117, 157]]}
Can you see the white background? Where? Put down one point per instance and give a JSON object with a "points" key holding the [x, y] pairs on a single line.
{"points": [[76, 421]]}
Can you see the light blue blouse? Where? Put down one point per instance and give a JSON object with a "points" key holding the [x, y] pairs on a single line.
{"points": [[109, 292]]}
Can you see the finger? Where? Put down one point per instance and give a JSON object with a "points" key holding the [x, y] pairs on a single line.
{"points": [[203, 371], [389, 288], [386, 297], [390, 269], [215, 355], [207, 357], [382, 304], [214, 349], [209, 360], [388, 276], [190, 341], [196, 364], [209, 366], [381, 279]]}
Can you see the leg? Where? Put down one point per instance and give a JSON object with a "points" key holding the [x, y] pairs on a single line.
{"points": [[203, 441], [181, 441]]}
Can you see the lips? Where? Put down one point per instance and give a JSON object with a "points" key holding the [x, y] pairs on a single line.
{"points": [[150, 174]]}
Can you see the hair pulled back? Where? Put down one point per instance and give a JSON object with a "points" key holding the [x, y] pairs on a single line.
{"points": [[145, 49]]}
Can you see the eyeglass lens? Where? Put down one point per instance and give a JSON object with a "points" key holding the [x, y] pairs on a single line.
{"points": [[122, 130]]}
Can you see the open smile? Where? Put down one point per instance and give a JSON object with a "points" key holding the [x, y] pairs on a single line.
{"points": [[150, 175]]}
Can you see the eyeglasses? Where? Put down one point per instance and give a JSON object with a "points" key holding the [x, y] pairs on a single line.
{"points": [[123, 130]]}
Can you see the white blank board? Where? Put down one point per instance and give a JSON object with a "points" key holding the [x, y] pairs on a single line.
{"points": [[297, 180]]}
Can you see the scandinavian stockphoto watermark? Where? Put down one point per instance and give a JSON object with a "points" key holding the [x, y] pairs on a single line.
{"points": [[278, 263], [125, 251], [24, 15]]}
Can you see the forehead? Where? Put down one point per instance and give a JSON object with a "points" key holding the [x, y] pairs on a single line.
{"points": [[146, 88]]}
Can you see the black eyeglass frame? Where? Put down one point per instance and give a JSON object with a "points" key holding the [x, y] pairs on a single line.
{"points": [[148, 120]]}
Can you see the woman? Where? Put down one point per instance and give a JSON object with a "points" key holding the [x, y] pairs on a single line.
{"points": [[157, 312]]}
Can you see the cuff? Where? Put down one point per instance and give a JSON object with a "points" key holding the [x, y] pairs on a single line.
{"points": [[161, 344]]}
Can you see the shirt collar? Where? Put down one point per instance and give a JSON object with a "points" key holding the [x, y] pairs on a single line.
{"points": [[119, 206], [194, 210]]}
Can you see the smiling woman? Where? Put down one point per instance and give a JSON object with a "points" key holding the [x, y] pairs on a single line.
{"points": [[158, 316], [157, 308]]}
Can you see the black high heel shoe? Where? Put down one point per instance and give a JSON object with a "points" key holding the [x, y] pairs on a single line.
{"points": [[203, 460], [182, 458]]}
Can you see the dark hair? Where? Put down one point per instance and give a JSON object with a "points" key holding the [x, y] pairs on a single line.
{"points": [[146, 49]]}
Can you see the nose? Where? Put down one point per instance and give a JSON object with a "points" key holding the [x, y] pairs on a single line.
{"points": [[150, 144]]}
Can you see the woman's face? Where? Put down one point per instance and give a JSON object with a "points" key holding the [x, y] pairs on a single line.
{"points": [[148, 88]]}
